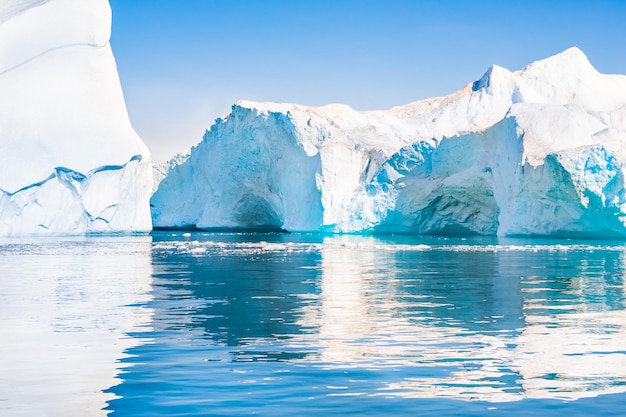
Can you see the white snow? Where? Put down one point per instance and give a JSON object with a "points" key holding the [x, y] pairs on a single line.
{"points": [[70, 161], [537, 151]]}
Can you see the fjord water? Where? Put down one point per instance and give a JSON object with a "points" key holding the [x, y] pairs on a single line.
{"points": [[209, 324]]}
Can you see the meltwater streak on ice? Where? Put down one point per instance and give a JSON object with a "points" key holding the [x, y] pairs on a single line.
{"points": [[65, 313], [302, 324]]}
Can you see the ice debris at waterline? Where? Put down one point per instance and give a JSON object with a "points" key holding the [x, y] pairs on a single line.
{"points": [[70, 161], [538, 151]]}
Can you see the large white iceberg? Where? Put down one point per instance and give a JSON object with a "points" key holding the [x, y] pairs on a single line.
{"points": [[538, 151], [70, 161]]}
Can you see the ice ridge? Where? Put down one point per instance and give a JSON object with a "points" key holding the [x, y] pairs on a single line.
{"points": [[539, 151]]}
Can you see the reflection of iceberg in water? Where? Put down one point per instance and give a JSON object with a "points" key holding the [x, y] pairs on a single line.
{"points": [[574, 357], [496, 333], [66, 306], [580, 350]]}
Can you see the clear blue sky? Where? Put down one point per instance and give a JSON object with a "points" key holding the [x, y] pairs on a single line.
{"points": [[183, 63]]}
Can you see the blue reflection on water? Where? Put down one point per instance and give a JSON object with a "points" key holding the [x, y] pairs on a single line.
{"points": [[276, 324]]}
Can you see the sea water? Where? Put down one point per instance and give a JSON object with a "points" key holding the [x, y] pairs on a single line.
{"points": [[232, 324]]}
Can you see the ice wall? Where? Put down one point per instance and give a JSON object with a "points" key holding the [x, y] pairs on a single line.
{"points": [[70, 161], [538, 151]]}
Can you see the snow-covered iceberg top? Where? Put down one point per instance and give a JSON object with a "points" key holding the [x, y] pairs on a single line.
{"points": [[538, 151], [70, 161]]}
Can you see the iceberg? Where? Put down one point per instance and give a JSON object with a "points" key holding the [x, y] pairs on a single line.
{"points": [[535, 152], [70, 161]]}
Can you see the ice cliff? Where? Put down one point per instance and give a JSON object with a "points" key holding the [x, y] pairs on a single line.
{"points": [[539, 151], [70, 162]]}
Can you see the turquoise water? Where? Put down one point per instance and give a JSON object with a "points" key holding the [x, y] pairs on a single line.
{"points": [[208, 324]]}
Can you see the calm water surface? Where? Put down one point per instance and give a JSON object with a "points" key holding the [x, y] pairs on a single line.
{"points": [[206, 324]]}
